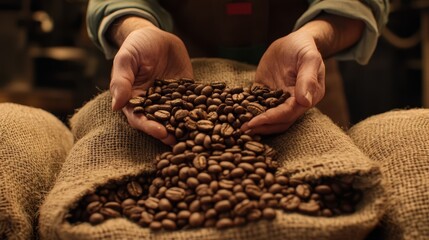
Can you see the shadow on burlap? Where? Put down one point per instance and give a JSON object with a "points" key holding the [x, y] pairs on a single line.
{"points": [[33, 146], [108, 149], [399, 142]]}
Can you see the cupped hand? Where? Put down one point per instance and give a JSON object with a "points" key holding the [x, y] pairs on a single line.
{"points": [[147, 54], [293, 64]]}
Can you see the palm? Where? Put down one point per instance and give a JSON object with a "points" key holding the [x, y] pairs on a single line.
{"points": [[146, 55], [294, 65]]}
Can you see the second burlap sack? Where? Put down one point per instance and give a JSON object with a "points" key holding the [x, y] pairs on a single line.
{"points": [[33, 146], [108, 149], [399, 141]]}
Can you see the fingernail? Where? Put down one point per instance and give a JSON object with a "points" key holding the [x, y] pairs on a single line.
{"points": [[113, 103], [114, 94], [309, 98], [248, 132]]}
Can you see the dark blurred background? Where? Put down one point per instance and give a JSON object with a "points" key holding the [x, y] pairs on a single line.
{"points": [[47, 60]]}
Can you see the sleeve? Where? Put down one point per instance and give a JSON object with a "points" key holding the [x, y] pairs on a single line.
{"points": [[374, 13], [101, 13]]}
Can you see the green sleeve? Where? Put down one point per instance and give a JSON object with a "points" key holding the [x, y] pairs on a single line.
{"points": [[374, 13], [101, 13]]}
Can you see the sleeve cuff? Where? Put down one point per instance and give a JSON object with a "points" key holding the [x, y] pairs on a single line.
{"points": [[109, 50], [362, 51]]}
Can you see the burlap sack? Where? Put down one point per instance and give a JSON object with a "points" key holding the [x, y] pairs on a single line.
{"points": [[33, 146], [107, 148], [399, 141]]}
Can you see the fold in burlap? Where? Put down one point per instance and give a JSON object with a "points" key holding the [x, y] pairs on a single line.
{"points": [[399, 141], [108, 149], [33, 146]]}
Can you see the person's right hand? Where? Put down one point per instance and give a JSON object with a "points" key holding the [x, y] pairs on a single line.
{"points": [[146, 54]]}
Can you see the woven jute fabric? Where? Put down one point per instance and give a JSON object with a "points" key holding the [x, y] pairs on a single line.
{"points": [[399, 142], [108, 149], [33, 146]]}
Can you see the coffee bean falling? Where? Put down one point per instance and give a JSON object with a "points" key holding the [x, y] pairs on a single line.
{"points": [[215, 175]]}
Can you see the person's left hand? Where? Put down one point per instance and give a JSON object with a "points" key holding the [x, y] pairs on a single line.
{"points": [[293, 64]]}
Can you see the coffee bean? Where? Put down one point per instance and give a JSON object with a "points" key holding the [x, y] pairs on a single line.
{"points": [[134, 189], [179, 148], [179, 158], [205, 125], [152, 203], [165, 205], [255, 108], [96, 218], [254, 146], [254, 214], [162, 115], [226, 130], [181, 114], [110, 213], [311, 207], [175, 194], [303, 191], [290, 202], [196, 219], [200, 162], [223, 206], [224, 223], [168, 224], [113, 205]]}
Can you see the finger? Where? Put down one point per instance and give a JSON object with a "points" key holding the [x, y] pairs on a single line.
{"points": [[307, 79], [122, 79], [140, 122], [169, 140], [290, 109]]}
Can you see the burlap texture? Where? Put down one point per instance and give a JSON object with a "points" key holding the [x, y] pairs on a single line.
{"points": [[110, 149], [399, 141], [33, 146]]}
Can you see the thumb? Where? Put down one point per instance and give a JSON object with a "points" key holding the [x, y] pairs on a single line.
{"points": [[307, 80], [122, 80]]}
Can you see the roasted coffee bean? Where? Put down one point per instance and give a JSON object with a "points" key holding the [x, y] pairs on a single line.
{"points": [[303, 191], [134, 189], [196, 219], [226, 130], [96, 218], [179, 148], [179, 158], [168, 224], [254, 146], [151, 203], [255, 108], [224, 223], [223, 206], [311, 207], [290, 202], [162, 115], [175, 194], [200, 162], [165, 205], [146, 218], [205, 125], [109, 213], [323, 189]]}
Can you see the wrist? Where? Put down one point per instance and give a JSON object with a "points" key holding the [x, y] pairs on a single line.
{"points": [[333, 33], [119, 30]]}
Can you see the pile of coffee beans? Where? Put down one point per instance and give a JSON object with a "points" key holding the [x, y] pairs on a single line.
{"points": [[215, 175]]}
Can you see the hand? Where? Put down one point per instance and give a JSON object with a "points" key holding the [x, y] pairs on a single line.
{"points": [[146, 54], [293, 64]]}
